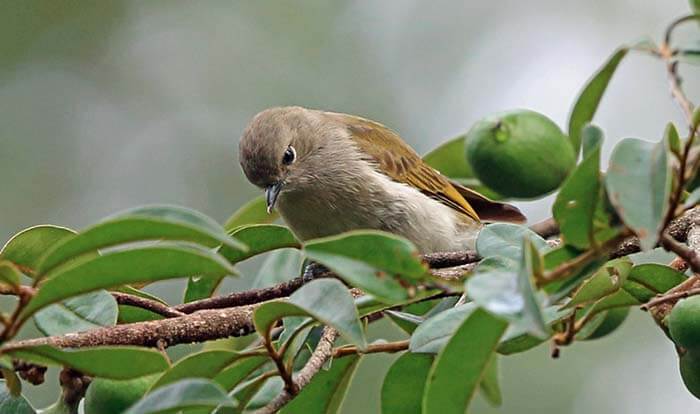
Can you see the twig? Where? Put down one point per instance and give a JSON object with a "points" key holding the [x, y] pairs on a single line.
{"points": [[323, 351], [248, 297], [278, 358], [148, 304], [450, 259], [198, 327], [689, 255], [565, 269], [546, 228], [389, 347], [669, 298], [453, 273]]}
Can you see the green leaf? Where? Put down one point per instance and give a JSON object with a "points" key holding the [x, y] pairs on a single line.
{"points": [[454, 378], [360, 257], [259, 238], [432, 335], [674, 140], [13, 405], [647, 280], [639, 185], [498, 286], [26, 248], [244, 394], [412, 315], [505, 240], [587, 102], [531, 267], [252, 212], [233, 374], [131, 314], [695, 6], [404, 384], [449, 159], [185, 394], [619, 299], [12, 381], [198, 365], [143, 223], [604, 282], [693, 199], [517, 339], [115, 362], [489, 385], [146, 264], [82, 313], [576, 202], [9, 274], [279, 266], [327, 389], [326, 300]]}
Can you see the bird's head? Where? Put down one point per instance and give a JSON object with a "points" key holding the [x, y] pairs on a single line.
{"points": [[275, 147]]}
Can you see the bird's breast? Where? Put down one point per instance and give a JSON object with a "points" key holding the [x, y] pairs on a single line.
{"points": [[375, 202]]}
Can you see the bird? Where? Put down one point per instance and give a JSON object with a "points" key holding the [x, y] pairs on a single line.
{"points": [[327, 173]]}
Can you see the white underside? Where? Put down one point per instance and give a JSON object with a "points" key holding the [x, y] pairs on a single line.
{"points": [[331, 208]]}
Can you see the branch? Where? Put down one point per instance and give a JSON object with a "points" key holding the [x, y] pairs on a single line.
{"points": [[148, 304], [546, 228], [248, 297], [389, 347], [686, 253], [198, 327], [323, 351], [671, 297]]}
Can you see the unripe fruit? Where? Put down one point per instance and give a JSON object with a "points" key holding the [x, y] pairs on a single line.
{"points": [[520, 154], [106, 396], [690, 372], [684, 322]]}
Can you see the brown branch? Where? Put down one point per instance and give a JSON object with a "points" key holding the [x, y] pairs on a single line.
{"points": [[453, 273], [148, 304], [198, 327], [670, 298], [248, 297], [450, 259], [546, 228], [686, 253], [278, 358], [323, 351], [389, 347]]}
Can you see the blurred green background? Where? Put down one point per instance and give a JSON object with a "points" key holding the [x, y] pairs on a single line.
{"points": [[111, 104]]}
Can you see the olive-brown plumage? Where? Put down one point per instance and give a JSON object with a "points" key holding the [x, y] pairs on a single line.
{"points": [[328, 173]]}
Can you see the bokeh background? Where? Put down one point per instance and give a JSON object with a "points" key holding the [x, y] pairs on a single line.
{"points": [[112, 104]]}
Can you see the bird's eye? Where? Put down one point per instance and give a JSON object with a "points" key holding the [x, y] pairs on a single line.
{"points": [[289, 155]]}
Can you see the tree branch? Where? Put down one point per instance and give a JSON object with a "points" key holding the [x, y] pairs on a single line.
{"points": [[198, 327], [323, 351], [247, 297], [148, 304], [389, 347]]}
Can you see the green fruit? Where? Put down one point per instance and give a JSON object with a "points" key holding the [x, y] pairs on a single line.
{"points": [[521, 153], [684, 322], [106, 396], [690, 372], [614, 318]]}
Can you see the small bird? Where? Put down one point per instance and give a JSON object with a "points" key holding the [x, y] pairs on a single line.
{"points": [[327, 173]]}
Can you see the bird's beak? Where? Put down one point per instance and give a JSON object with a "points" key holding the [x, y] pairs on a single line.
{"points": [[271, 193]]}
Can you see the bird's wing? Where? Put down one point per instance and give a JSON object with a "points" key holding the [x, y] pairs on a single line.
{"points": [[401, 163], [488, 209]]}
